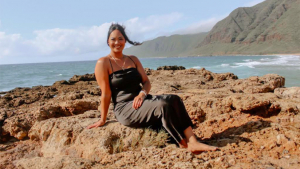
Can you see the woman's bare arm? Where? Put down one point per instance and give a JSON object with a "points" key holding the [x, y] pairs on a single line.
{"points": [[145, 81], [102, 77]]}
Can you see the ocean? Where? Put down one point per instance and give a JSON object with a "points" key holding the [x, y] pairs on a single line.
{"points": [[34, 74]]}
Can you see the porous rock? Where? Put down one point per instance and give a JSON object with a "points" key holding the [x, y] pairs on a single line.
{"points": [[255, 122]]}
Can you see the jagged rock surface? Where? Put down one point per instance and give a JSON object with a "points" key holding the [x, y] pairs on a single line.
{"points": [[254, 121]]}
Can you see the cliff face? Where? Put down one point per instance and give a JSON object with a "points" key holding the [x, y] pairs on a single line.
{"points": [[175, 45], [269, 27], [247, 25]]}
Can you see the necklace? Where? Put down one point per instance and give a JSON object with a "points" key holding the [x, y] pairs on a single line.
{"points": [[117, 63]]}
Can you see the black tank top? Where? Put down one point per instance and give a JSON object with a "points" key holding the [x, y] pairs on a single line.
{"points": [[125, 84]]}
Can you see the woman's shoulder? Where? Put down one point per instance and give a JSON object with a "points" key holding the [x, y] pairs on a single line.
{"points": [[134, 58], [103, 60]]}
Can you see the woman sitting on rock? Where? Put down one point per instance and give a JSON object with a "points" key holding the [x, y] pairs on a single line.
{"points": [[119, 77]]}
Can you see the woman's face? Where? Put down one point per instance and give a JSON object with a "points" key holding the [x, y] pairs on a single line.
{"points": [[116, 41]]}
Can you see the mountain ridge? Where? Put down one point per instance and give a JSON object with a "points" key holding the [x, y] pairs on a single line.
{"points": [[270, 27], [163, 46]]}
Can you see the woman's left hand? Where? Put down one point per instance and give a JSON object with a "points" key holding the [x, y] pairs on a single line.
{"points": [[138, 101]]}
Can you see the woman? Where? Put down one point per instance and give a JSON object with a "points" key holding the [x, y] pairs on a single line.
{"points": [[119, 77]]}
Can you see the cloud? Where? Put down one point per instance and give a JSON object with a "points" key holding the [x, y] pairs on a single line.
{"points": [[57, 41], [9, 43], [200, 26], [252, 3], [145, 28], [68, 42]]}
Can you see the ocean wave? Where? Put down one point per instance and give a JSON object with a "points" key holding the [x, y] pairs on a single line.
{"points": [[4, 89], [224, 65], [236, 66], [264, 59], [197, 67], [249, 64], [290, 60]]}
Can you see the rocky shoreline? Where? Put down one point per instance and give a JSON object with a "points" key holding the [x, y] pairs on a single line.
{"points": [[254, 121]]}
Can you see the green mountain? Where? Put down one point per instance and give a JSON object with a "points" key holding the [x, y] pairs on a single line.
{"points": [[271, 27], [172, 46]]}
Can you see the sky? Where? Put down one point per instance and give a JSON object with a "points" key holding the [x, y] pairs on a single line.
{"points": [[72, 30]]}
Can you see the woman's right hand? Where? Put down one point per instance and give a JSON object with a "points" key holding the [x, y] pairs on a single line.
{"points": [[97, 124], [138, 101]]}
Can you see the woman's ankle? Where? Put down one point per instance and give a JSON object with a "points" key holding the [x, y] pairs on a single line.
{"points": [[192, 140], [183, 144]]}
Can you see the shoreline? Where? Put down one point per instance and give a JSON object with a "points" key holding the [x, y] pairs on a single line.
{"points": [[11, 86], [294, 54], [285, 54]]}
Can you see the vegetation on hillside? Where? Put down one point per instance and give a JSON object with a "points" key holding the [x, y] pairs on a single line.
{"points": [[271, 27]]}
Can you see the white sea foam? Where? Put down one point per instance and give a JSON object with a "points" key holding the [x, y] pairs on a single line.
{"points": [[263, 59], [291, 60], [197, 67], [59, 75], [249, 64], [235, 66], [224, 65]]}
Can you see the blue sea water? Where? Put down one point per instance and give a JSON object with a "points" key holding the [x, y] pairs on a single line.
{"points": [[34, 74]]}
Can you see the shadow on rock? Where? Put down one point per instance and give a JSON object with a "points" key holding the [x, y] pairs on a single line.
{"points": [[232, 135], [264, 111]]}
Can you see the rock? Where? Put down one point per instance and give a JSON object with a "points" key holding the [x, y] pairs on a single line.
{"points": [[148, 71], [290, 146], [171, 68], [252, 120], [263, 105], [281, 139], [271, 144], [180, 165], [13, 152], [3, 116], [18, 126], [20, 96], [69, 136], [231, 161], [86, 77], [54, 163], [288, 93], [62, 82], [224, 76], [255, 84]]}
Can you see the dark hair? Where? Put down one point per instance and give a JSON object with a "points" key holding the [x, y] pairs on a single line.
{"points": [[116, 26]]}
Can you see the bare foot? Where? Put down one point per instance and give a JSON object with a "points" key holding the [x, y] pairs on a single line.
{"points": [[197, 147], [183, 144]]}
